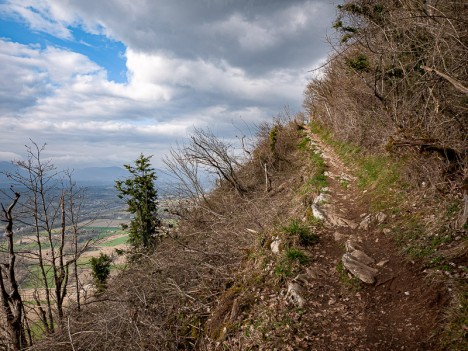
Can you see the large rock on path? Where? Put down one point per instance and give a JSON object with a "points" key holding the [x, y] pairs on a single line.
{"points": [[360, 270]]}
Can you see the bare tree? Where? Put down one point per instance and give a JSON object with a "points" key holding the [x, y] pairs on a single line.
{"points": [[11, 300], [217, 156], [52, 210], [186, 170]]}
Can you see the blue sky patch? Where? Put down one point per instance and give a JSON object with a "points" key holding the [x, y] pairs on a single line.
{"points": [[105, 52]]}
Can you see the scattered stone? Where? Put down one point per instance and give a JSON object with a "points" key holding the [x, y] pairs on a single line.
{"points": [[382, 263], [361, 271], [386, 231], [364, 225], [407, 293], [381, 217], [322, 198], [317, 213], [275, 245], [352, 245], [294, 294], [338, 221], [339, 237], [362, 257]]}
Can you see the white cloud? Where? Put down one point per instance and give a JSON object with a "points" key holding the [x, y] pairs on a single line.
{"points": [[200, 63]]}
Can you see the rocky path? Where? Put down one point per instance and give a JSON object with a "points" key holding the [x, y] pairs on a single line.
{"points": [[361, 294]]}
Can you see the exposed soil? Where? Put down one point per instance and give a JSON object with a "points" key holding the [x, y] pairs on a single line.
{"points": [[400, 311]]}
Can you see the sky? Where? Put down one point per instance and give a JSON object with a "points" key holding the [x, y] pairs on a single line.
{"points": [[101, 81]]}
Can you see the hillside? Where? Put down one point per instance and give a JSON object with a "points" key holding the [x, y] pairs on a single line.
{"points": [[345, 232], [266, 269]]}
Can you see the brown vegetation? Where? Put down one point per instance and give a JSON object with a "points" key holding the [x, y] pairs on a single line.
{"points": [[165, 301], [399, 81], [392, 105]]}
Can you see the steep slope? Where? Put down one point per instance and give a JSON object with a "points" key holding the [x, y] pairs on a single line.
{"points": [[269, 268], [318, 304]]}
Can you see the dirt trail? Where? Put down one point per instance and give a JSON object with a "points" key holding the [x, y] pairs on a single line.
{"points": [[399, 311]]}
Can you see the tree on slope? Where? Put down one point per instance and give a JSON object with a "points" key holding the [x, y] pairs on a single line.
{"points": [[10, 297], [140, 192]]}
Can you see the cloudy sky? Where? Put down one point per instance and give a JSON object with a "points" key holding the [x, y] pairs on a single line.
{"points": [[100, 81]]}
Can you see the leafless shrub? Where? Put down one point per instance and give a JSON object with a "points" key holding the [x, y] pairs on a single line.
{"points": [[400, 78], [164, 302], [216, 155]]}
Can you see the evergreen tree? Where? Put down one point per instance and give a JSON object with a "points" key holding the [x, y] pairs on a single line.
{"points": [[140, 192], [101, 270]]}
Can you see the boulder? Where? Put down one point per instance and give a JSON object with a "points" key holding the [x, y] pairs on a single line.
{"points": [[362, 257], [360, 270]]}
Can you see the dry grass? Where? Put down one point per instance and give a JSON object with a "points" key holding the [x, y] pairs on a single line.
{"points": [[165, 301]]}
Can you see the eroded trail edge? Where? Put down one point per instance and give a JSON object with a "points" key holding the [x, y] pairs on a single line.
{"points": [[328, 274], [393, 306]]}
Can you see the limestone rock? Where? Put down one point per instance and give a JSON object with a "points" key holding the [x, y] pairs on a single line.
{"points": [[345, 176], [294, 294], [358, 269], [352, 245], [339, 237], [317, 213], [321, 198], [338, 221], [362, 257], [365, 223], [381, 217], [302, 278], [382, 263], [275, 244]]}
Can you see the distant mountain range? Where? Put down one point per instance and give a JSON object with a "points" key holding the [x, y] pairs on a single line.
{"points": [[90, 175]]}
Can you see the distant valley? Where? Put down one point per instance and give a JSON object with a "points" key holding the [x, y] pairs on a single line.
{"points": [[90, 176]]}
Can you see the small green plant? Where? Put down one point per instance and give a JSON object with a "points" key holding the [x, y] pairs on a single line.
{"points": [[318, 181], [101, 269], [455, 335], [303, 143], [283, 269], [293, 254], [318, 162], [359, 63], [273, 138], [343, 183], [351, 282], [296, 228]]}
